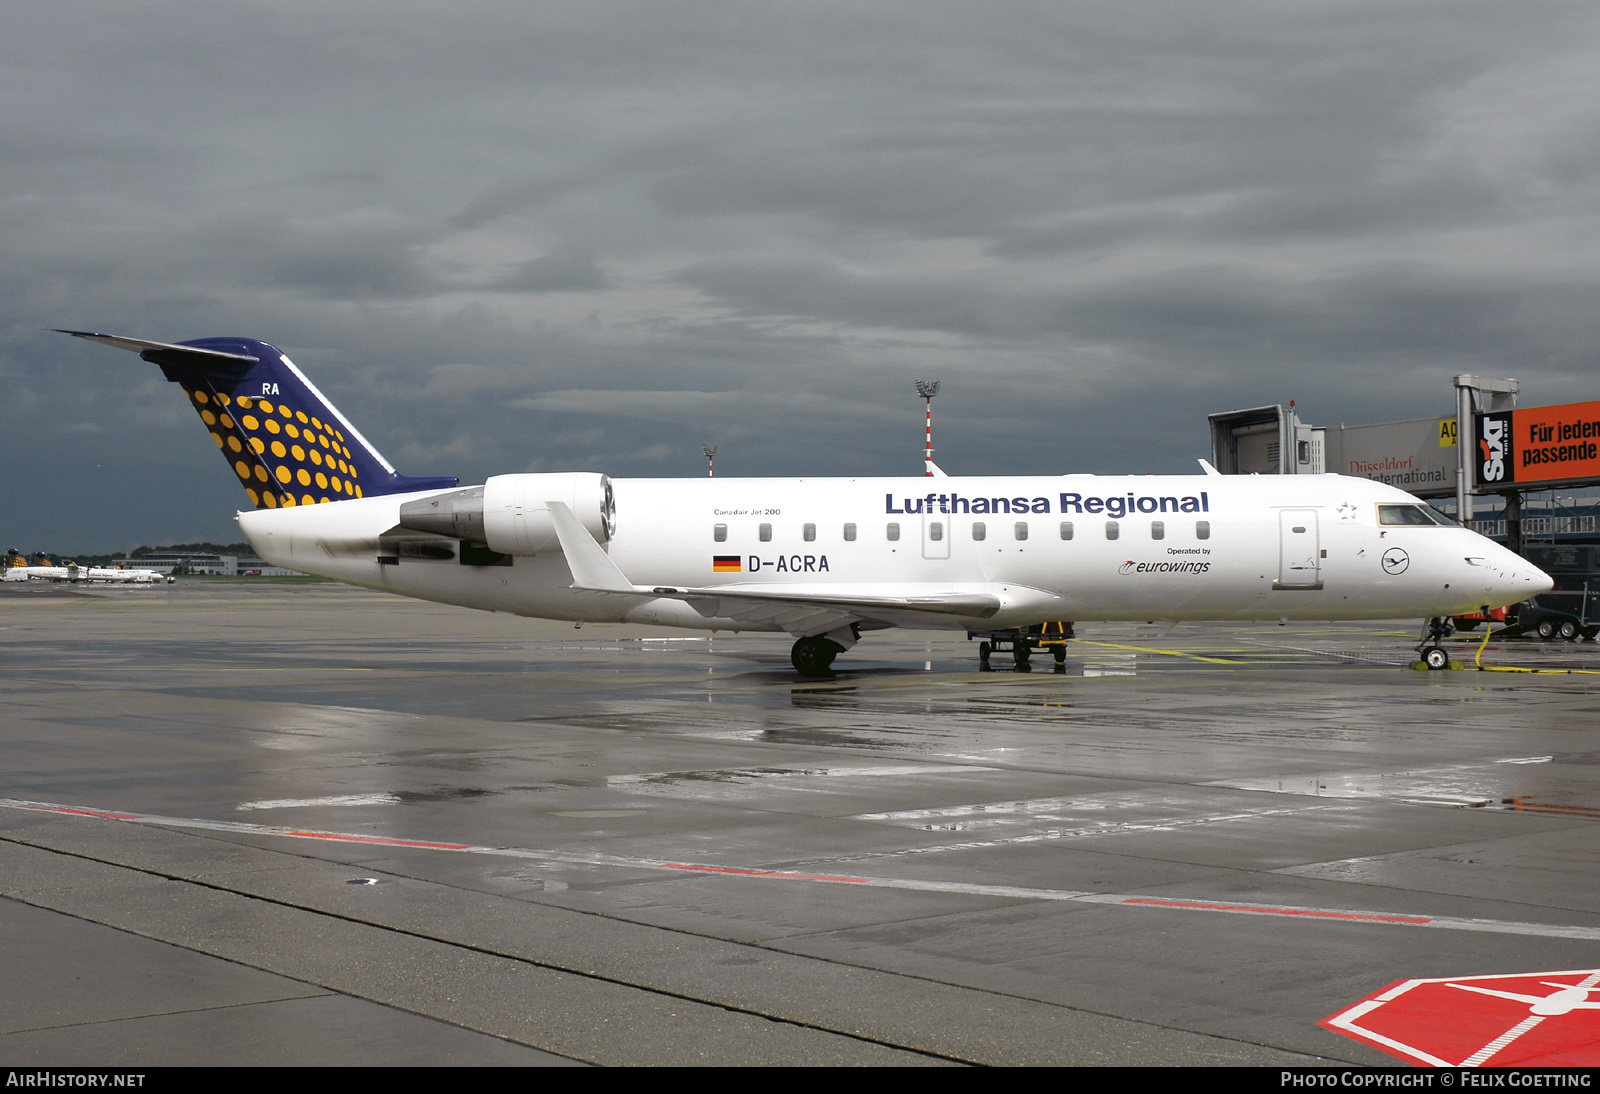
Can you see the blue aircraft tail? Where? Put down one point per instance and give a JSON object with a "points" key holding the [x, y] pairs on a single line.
{"points": [[287, 443]]}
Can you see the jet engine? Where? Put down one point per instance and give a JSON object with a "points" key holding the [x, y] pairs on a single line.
{"points": [[511, 513]]}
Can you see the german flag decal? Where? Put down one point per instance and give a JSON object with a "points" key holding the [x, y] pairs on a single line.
{"points": [[726, 564]]}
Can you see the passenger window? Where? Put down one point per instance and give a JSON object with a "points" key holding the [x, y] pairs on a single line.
{"points": [[809, 532], [936, 531], [894, 531], [766, 533], [1066, 529], [979, 530], [849, 533], [1021, 529], [720, 533], [1158, 529], [1113, 530], [1202, 529]]}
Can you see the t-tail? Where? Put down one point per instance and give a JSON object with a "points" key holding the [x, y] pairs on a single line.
{"points": [[287, 443]]}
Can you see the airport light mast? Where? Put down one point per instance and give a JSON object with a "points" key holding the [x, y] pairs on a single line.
{"points": [[711, 453], [928, 389]]}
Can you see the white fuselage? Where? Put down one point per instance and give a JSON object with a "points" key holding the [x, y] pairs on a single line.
{"points": [[1075, 547]]}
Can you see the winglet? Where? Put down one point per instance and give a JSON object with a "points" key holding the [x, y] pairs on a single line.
{"points": [[1205, 465], [591, 567]]}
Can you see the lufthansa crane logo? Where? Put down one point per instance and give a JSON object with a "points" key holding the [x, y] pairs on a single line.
{"points": [[1395, 561]]}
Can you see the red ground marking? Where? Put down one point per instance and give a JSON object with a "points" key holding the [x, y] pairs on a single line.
{"points": [[762, 873], [1253, 909], [383, 841], [1545, 1019], [103, 816]]}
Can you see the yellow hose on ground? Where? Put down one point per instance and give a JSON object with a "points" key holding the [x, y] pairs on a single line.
{"points": [[1478, 662]]}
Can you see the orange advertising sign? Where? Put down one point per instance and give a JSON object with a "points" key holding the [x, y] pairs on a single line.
{"points": [[1538, 444]]}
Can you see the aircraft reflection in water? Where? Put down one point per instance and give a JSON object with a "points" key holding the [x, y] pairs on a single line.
{"points": [[826, 560]]}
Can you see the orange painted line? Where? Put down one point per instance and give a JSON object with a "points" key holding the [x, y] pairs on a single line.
{"points": [[763, 873], [1256, 909], [96, 813], [382, 841]]}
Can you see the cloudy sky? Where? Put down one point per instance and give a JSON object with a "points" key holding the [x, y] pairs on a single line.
{"points": [[510, 236]]}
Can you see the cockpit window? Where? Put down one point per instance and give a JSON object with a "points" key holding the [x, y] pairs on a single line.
{"points": [[1412, 515]]}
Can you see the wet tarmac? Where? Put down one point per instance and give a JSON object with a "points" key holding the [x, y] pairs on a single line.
{"points": [[310, 824]]}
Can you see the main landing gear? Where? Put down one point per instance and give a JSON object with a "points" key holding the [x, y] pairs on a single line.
{"points": [[813, 654], [1021, 644], [1430, 654]]}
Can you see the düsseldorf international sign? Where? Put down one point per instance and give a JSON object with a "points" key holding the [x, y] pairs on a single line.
{"points": [[1542, 445]]}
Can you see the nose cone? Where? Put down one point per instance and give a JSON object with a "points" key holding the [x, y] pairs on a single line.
{"points": [[1517, 578]]}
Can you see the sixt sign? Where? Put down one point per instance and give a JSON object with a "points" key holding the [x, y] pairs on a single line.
{"points": [[1114, 505], [1545, 444]]}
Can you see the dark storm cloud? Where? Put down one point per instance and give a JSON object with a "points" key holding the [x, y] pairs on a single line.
{"points": [[599, 235]]}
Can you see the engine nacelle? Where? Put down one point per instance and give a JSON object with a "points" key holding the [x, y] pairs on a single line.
{"points": [[511, 513]]}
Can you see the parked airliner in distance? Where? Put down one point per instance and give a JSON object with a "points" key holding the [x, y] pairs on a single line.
{"points": [[826, 560]]}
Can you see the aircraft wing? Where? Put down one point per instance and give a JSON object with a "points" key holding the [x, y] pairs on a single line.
{"points": [[798, 610]]}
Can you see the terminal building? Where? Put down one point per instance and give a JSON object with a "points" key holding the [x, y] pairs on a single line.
{"points": [[211, 565]]}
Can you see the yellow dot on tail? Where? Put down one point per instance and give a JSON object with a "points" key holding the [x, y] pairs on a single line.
{"points": [[323, 441], [338, 487], [255, 443], [292, 429], [316, 457], [298, 453], [283, 473], [336, 433], [200, 397], [316, 423], [223, 399], [359, 494], [288, 501], [278, 450], [255, 498], [272, 501], [322, 501], [302, 416], [273, 426], [285, 411], [244, 401], [208, 417], [227, 422], [304, 476], [308, 500], [218, 438], [322, 481], [261, 473], [266, 407], [242, 468], [233, 443], [250, 422]]}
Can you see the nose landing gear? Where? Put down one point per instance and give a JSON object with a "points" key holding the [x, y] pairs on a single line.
{"points": [[1431, 655]]}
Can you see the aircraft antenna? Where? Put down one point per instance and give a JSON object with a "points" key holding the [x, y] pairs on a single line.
{"points": [[928, 389], [711, 454]]}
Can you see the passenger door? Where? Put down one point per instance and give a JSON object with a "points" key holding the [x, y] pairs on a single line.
{"points": [[1299, 551]]}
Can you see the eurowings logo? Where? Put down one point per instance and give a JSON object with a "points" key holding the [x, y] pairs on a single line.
{"points": [[1493, 444], [1132, 567]]}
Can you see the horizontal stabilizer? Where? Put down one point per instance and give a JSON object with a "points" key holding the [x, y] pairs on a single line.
{"points": [[206, 361]]}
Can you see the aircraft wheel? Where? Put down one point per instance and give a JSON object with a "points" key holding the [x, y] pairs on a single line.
{"points": [[1591, 633], [1019, 656], [984, 650], [1568, 630], [1436, 657], [814, 656], [1061, 654], [1546, 629]]}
